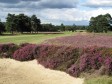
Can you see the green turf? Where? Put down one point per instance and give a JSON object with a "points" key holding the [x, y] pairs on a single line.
{"points": [[99, 80], [31, 38]]}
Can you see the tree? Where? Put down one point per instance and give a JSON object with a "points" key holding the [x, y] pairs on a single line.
{"points": [[10, 23], [2, 27], [101, 23], [35, 23], [73, 28], [62, 27], [23, 23], [49, 28]]}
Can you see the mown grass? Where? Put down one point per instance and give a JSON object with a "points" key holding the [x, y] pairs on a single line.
{"points": [[31, 38], [99, 80]]}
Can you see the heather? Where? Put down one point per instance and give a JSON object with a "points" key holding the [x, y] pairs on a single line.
{"points": [[6, 50], [75, 61], [83, 40], [24, 53], [56, 57]]}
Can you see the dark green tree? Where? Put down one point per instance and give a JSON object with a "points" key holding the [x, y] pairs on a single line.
{"points": [[35, 23], [10, 23], [73, 28], [49, 28], [23, 23], [62, 27], [101, 23], [2, 27]]}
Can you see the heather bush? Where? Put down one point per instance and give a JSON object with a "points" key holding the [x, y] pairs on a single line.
{"points": [[24, 44], [108, 65], [93, 61], [56, 57], [74, 70], [71, 59], [42, 54], [6, 50], [75, 60], [24, 53]]}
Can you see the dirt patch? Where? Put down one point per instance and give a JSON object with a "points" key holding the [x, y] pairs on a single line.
{"points": [[14, 72]]}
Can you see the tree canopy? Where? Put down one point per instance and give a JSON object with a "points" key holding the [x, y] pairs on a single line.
{"points": [[22, 23], [2, 27], [101, 23]]}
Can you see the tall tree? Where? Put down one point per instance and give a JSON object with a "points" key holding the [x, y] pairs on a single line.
{"points": [[2, 27], [35, 23], [73, 28], [62, 27], [10, 23], [23, 23]]}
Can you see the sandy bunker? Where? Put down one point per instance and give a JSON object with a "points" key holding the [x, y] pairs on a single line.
{"points": [[14, 72]]}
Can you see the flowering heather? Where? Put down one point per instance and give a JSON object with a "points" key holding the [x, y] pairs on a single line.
{"points": [[24, 44], [24, 53], [82, 41], [108, 65], [56, 57], [74, 70], [75, 60]]}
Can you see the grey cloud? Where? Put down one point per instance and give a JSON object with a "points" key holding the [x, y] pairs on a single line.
{"points": [[39, 4], [14, 1], [98, 3], [59, 3]]}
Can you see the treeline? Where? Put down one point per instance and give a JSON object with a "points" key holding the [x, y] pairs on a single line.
{"points": [[24, 24]]}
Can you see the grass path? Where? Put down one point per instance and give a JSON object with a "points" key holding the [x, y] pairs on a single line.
{"points": [[14, 72], [34, 38]]}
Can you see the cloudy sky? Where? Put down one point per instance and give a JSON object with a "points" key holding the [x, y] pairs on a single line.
{"points": [[57, 11]]}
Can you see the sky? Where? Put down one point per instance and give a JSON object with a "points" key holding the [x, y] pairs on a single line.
{"points": [[56, 12]]}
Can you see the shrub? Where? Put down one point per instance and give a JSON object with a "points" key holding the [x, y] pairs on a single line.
{"points": [[6, 50], [56, 57], [75, 60], [24, 44], [24, 53], [74, 70], [45, 53], [108, 65]]}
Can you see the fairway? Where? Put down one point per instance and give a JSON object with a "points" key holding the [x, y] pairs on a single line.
{"points": [[32, 38]]}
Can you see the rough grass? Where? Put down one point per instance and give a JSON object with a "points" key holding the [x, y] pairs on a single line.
{"points": [[99, 80], [31, 38]]}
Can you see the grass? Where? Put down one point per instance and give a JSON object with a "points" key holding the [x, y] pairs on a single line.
{"points": [[99, 80], [31, 38]]}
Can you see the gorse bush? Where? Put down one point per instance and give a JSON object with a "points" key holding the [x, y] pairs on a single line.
{"points": [[6, 50], [24, 53]]}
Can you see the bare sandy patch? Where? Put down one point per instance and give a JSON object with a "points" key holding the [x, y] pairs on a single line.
{"points": [[14, 72]]}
